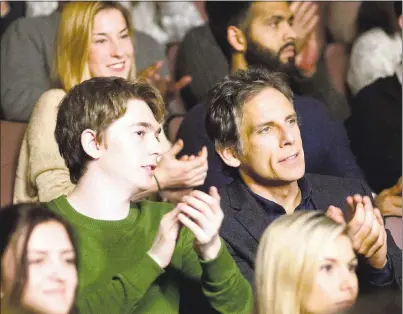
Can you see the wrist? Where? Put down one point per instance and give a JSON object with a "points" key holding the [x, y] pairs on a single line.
{"points": [[157, 259], [378, 263], [159, 179], [210, 250]]}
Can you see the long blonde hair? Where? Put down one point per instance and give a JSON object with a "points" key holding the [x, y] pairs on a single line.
{"points": [[288, 258], [70, 63]]}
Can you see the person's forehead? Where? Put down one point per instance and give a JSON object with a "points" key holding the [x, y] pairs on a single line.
{"points": [[266, 104], [138, 111], [265, 9], [340, 249]]}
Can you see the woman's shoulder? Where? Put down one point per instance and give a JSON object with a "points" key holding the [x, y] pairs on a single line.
{"points": [[52, 95], [48, 102]]}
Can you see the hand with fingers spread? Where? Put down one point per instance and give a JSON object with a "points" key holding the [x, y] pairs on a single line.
{"points": [[367, 230], [181, 173], [201, 213], [168, 88], [389, 201], [305, 24], [165, 241]]}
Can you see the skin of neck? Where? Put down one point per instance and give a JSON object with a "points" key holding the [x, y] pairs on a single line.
{"points": [[287, 194], [98, 196], [238, 62]]}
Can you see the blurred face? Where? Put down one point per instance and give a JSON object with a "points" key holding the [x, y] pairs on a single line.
{"points": [[335, 287], [132, 147], [52, 274], [270, 36], [270, 140], [111, 50]]}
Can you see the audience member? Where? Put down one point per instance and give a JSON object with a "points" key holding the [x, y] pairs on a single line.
{"points": [[253, 124], [305, 263], [166, 21], [325, 140], [375, 130], [136, 255], [199, 49], [377, 50], [38, 261], [27, 49], [41, 173]]}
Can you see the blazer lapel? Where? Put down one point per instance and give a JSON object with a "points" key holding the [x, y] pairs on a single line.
{"points": [[250, 213]]}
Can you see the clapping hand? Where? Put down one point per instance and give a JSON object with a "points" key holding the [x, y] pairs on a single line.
{"points": [[168, 88], [365, 227], [201, 213]]}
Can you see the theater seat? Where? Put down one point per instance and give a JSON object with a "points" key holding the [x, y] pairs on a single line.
{"points": [[394, 224], [11, 135]]}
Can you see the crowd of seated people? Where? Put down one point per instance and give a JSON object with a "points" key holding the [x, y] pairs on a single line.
{"points": [[219, 160]]}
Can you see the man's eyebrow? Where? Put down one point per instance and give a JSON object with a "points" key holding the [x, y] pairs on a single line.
{"points": [[146, 125], [293, 115]]}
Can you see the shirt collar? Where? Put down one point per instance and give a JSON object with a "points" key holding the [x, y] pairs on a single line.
{"points": [[303, 184]]}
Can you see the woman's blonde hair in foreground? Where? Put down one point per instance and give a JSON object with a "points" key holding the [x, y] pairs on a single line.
{"points": [[288, 258], [73, 40]]}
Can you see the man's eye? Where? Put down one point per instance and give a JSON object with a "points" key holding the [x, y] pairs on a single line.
{"points": [[352, 268], [266, 129], [140, 133], [292, 121]]}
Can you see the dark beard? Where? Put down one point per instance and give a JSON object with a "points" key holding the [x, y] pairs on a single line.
{"points": [[257, 55]]}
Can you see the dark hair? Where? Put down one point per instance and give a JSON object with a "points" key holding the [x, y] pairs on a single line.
{"points": [[226, 99], [224, 14], [398, 8], [95, 104], [16, 224], [372, 14]]}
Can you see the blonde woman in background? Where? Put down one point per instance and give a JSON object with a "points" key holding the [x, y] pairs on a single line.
{"points": [[305, 264], [94, 40]]}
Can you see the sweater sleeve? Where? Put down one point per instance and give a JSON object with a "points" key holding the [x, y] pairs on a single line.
{"points": [[48, 170], [124, 291], [223, 285]]}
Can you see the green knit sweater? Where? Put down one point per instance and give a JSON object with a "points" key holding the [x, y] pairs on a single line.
{"points": [[116, 275]]}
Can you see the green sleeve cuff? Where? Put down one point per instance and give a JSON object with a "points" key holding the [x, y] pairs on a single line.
{"points": [[220, 268], [142, 275]]}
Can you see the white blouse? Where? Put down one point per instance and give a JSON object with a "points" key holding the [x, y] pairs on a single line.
{"points": [[374, 55]]}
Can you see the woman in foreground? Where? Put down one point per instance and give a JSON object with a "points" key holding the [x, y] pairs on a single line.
{"points": [[305, 264], [38, 261]]}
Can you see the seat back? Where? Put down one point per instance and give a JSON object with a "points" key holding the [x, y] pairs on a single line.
{"points": [[11, 135]]}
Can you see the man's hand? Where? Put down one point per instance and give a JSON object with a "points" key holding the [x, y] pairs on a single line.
{"points": [[365, 227], [367, 230], [183, 173], [168, 88], [165, 241], [201, 213], [305, 24], [389, 201]]}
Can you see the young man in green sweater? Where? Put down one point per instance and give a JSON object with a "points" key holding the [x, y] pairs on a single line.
{"points": [[137, 257]]}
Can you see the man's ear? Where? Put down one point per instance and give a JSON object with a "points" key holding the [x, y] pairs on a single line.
{"points": [[90, 144], [229, 156], [236, 39], [400, 21]]}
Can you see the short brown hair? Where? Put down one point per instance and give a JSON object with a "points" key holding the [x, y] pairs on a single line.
{"points": [[95, 104]]}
